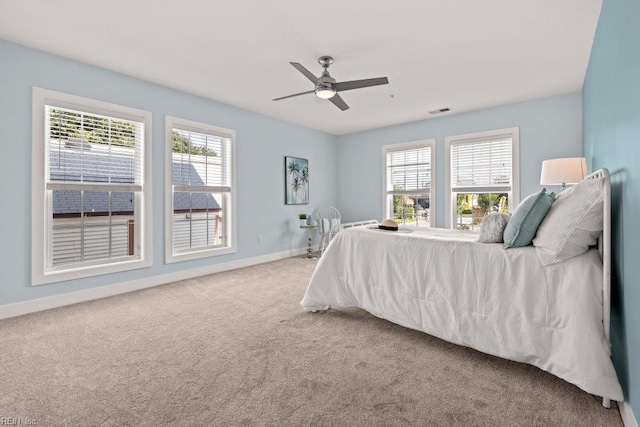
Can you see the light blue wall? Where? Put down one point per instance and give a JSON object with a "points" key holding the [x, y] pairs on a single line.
{"points": [[262, 142], [549, 128], [612, 139]]}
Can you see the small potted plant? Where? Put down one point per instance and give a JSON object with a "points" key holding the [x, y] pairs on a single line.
{"points": [[303, 219]]}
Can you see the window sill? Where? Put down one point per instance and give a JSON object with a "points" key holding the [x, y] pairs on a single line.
{"points": [[199, 254], [87, 271]]}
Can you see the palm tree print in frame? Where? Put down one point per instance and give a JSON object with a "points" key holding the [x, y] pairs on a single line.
{"points": [[296, 179]]}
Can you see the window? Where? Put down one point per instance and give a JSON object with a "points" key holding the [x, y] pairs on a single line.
{"points": [[200, 215], [482, 176], [409, 180], [91, 187]]}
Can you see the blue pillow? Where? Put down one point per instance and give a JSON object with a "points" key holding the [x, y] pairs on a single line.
{"points": [[526, 219]]}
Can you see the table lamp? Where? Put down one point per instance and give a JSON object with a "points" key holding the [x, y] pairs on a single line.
{"points": [[569, 170]]}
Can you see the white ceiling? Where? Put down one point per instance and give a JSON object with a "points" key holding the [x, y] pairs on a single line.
{"points": [[461, 54]]}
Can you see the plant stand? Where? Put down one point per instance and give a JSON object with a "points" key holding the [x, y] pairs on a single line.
{"points": [[309, 229]]}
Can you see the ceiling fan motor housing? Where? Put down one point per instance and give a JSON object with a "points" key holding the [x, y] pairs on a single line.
{"points": [[324, 84], [325, 81]]}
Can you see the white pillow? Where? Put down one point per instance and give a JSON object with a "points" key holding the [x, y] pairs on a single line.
{"points": [[327, 225], [492, 227], [573, 223]]}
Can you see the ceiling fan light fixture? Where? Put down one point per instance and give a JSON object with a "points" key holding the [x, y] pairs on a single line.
{"points": [[325, 92]]}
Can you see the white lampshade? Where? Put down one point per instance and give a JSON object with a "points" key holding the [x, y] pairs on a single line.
{"points": [[570, 170]]}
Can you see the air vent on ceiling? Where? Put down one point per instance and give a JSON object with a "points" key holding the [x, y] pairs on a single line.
{"points": [[442, 110]]}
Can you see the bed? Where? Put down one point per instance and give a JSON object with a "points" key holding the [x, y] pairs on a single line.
{"points": [[499, 301]]}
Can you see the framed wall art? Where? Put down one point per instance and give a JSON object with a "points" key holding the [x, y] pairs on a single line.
{"points": [[296, 181]]}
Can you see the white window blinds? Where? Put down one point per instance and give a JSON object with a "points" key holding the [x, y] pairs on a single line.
{"points": [[409, 171], [85, 149], [201, 160], [482, 165]]}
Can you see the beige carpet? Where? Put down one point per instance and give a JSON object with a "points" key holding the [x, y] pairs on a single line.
{"points": [[237, 349]]}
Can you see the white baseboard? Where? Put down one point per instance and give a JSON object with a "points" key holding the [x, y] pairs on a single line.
{"points": [[46, 303], [626, 412]]}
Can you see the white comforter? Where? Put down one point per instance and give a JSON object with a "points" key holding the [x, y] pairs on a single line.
{"points": [[502, 302]]}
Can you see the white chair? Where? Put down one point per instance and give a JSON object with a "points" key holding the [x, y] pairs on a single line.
{"points": [[328, 219]]}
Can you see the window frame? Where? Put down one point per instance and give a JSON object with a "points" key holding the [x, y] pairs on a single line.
{"points": [[41, 227], [402, 146], [172, 122], [514, 200]]}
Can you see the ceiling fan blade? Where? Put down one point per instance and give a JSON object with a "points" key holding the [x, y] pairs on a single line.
{"points": [[296, 94], [308, 74], [357, 84], [339, 102]]}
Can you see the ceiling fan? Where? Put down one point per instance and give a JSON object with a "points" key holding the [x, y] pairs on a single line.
{"points": [[328, 88]]}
